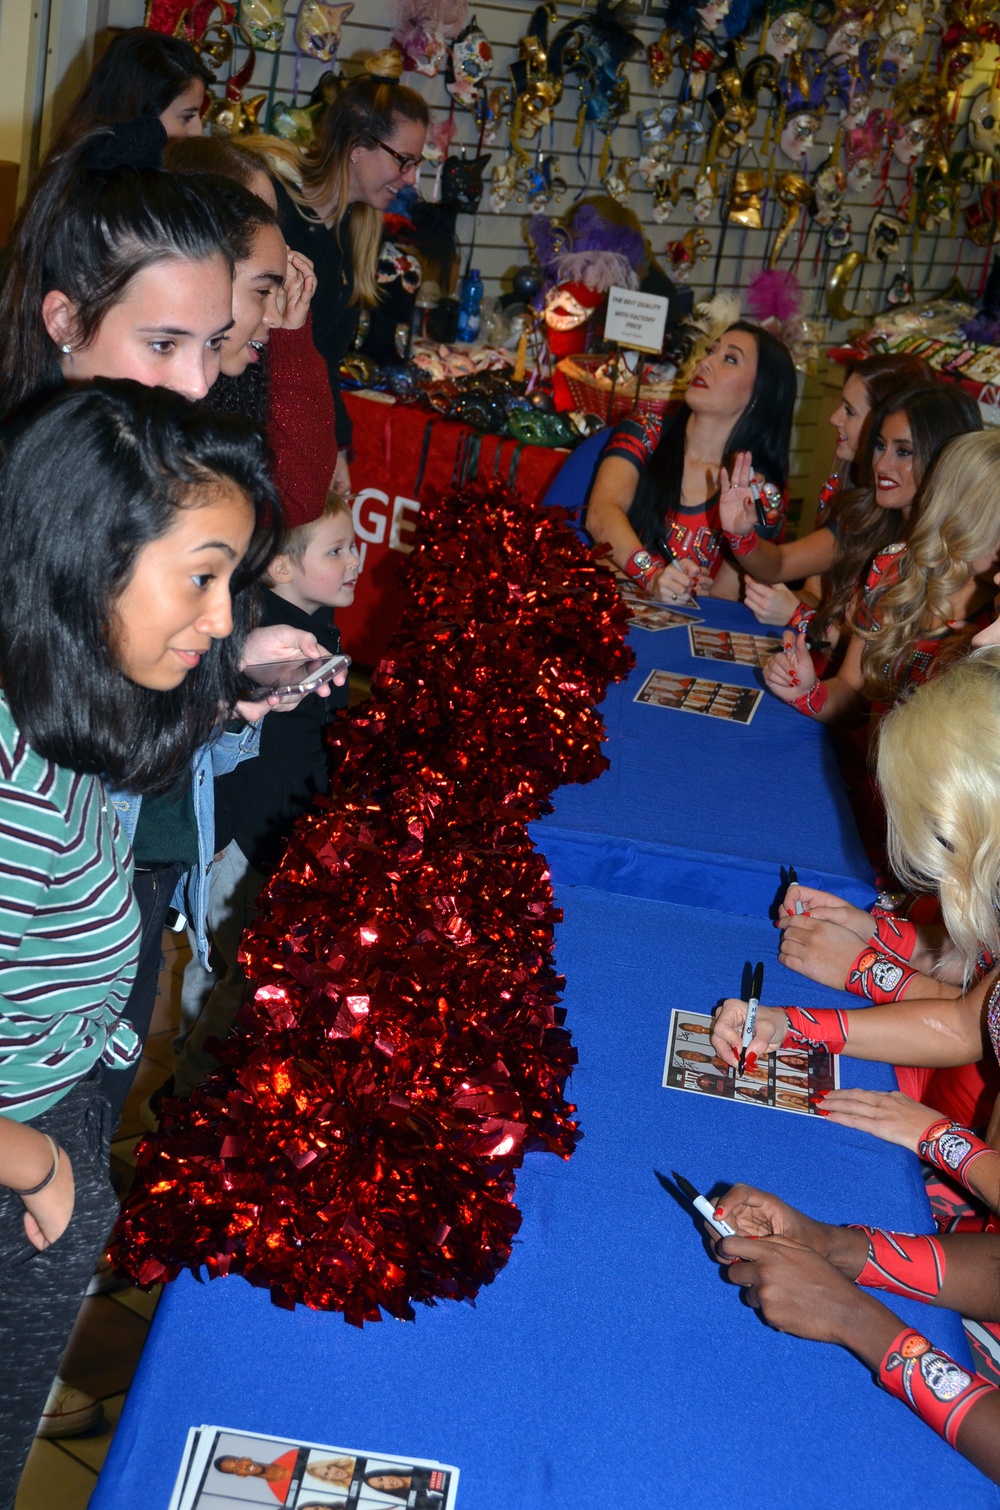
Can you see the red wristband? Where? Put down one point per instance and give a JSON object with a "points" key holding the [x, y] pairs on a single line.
{"points": [[741, 545], [902, 1263], [823, 1026], [642, 576], [896, 934], [880, 977], [954, 1149], [934, 1386], [803, 614], [813, 701]]}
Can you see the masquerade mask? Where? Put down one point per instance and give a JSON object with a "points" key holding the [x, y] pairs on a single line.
{"points": [[745, 198], [317, 28], [470, 66], [264, 22]]}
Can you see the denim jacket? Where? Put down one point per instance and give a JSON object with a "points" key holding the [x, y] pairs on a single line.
{"points": [[216, 759]]}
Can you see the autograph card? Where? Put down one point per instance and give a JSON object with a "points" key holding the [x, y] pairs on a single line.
{"points": [[234, 1470], [647, 614], [692, 694], [792, 1080], [724, 645]]}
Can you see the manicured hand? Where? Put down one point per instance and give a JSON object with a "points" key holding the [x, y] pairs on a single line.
{"points": [[829, 908], [770, 603], [757, 1213], [676, 582], [885, 1114], [736, 510], [727, 1031], [822, 951], [789, 674]]}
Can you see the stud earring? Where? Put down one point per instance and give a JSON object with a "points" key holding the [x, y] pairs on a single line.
{"points": [[66, 348]]}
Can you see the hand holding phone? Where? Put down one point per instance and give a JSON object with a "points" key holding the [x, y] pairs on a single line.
{"points": [[292, 678]]}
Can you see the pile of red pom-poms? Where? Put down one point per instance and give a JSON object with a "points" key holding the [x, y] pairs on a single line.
{"points": [[357, 1148]]}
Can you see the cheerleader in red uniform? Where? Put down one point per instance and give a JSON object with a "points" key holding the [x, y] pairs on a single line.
{"points": [[655, 495], [810, 559]]}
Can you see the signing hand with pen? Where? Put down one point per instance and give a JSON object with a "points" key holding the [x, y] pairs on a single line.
{"points": [[727, 1031], [790, 674], [756, 1214], [679, 580], [828, 908]]}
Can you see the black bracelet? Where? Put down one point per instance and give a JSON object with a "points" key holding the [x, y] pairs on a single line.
{"points": [[37, 1189]]}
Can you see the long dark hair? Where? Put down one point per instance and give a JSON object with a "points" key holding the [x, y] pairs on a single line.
{"points": [[935, 413], [96, 476], [882, 376], [142, 73], [88, 231], [764, 429]]}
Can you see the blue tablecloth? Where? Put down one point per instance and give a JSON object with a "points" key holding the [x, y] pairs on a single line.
{"points": [[609, 1364], [700, 811]]}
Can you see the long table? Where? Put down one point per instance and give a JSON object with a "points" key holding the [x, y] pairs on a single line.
{"points": [[695, 809], [609, 1363]]}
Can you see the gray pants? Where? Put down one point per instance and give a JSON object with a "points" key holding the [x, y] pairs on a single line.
{"points": [[41, 1293], [210, 999]]}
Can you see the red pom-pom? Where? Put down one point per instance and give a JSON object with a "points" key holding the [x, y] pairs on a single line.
{"points": [[357, 1148]]}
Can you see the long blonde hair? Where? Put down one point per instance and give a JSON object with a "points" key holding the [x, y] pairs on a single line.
{"points": [[939, 772], [958, 523], [364, 113]]}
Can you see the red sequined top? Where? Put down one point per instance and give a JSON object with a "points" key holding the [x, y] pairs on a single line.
{"points": [[694, 532], [300, 424]]}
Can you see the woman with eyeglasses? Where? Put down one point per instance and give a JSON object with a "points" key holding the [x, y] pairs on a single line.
{"points": [[331, 199]]}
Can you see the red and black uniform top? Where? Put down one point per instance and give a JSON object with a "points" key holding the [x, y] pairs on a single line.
{"points": [[695, 531]]}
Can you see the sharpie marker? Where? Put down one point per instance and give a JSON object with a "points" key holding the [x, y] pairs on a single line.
{"points": [[793, 880], [704, 1208], [750, 1021]]}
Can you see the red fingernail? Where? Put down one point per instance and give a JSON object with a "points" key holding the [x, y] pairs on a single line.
{"points": [[805, 914], [719, 1211], [751, 1061]]}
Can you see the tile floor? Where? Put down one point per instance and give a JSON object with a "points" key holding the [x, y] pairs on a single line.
{"points": [[109, 1335]]}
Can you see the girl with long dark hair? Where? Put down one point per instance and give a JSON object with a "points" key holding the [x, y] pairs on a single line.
{"points": [[134, 526], [768, 565], [908, 464], [143, 73], [655, 501], [116, 269]]}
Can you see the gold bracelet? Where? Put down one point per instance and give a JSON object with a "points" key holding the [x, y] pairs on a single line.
{"points": [[37, 1189]]}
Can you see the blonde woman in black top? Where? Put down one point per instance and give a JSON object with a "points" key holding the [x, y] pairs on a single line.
{"points": [[331, 199]]}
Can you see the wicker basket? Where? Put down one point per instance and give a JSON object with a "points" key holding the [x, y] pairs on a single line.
{"points": [[593, 395]]}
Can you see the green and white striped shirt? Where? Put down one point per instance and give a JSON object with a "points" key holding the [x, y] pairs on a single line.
{"points": [[69, 928]]}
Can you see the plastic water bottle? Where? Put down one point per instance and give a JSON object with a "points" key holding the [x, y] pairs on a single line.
{"points": [[468, 307]]}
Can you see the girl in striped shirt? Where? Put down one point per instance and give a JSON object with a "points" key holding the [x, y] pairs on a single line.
{"points": [[132, 527]]}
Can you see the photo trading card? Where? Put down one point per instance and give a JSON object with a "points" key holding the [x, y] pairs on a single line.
{"points": [[727, 645], [648, 613], [791, 1080], [694, 694], [225, 1469]]}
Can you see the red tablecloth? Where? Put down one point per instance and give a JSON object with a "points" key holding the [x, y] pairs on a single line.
{"points": [[404, 456]]}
